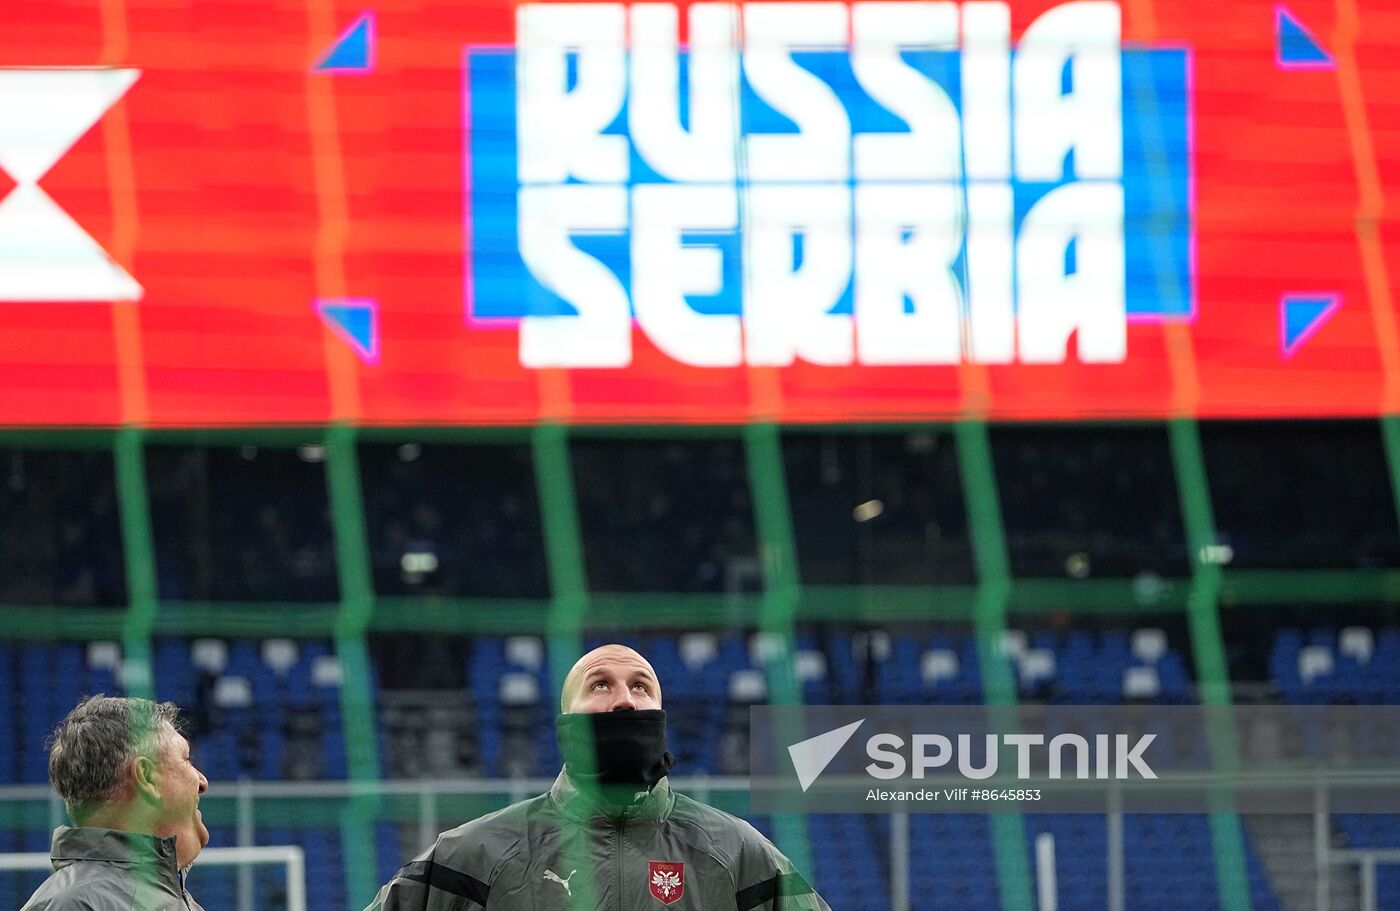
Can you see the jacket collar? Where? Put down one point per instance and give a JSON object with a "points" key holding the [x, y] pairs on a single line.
{"points": [[585, 803], [157, 855]]}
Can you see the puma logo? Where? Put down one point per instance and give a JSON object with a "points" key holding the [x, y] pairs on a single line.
{"points": [[554, 878]]}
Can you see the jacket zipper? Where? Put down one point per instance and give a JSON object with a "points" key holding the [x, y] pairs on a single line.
{"points": [[621, 824]]}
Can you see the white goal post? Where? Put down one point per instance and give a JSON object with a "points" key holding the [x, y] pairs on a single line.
{"points": [[290, 856]]}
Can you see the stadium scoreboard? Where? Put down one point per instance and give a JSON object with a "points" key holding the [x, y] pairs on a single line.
{"points": [[222, 213]]}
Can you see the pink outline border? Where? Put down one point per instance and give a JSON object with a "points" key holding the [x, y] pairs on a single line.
{"points": [[468, 291], [1329, 64], [1193, 297], [320, 304], [1317, 323], [371, 31]]}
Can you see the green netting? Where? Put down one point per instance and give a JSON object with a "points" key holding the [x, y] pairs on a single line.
{"points": [[572, 608]]}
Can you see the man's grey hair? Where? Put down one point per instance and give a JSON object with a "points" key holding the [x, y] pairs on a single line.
{"points": [[90, 750]]}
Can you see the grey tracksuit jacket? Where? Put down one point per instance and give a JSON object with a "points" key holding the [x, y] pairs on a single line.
{"points": [[107, 870], [562, 851]]}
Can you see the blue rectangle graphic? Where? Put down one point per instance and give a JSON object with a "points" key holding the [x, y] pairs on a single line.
{"points": [[1156, 181]]}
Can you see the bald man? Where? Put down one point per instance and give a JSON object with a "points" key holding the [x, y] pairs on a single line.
{"points": [[610, 832]]}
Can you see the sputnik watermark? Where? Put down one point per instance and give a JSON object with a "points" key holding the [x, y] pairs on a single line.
{"points": [[1119, 756], [936, 751], [954, 795], [1058, 758]]}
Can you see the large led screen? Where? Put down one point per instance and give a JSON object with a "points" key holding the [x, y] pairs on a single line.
{"points": [[217, 212]]}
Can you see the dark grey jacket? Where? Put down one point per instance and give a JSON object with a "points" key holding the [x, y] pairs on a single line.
{"points": [[107, 870], [562, 851]]}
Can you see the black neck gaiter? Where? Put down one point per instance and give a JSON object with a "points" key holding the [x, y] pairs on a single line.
{"points": [[615, 748]]}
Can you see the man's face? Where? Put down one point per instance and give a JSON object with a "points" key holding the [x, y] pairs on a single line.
{"points": [[612, 678], [180, 786]]}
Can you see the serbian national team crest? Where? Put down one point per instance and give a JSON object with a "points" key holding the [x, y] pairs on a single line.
{"points": [[667, 881]]}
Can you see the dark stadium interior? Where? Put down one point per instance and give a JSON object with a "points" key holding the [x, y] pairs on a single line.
{"points": [[60, 530], [456, 521], [451, 525], [269, 503]]}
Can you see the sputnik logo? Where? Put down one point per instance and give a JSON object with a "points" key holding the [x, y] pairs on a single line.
{"points": [[44, 254]]}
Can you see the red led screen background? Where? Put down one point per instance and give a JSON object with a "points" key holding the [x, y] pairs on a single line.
{"points": [[238, 186]]}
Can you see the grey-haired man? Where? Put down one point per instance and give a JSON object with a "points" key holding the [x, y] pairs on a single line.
{"points": [[124, 772]]}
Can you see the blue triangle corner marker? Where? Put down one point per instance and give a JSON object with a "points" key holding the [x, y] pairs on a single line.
{"points": [[1294, 46], [1301, 315], [353, 51], [355, 320]]}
